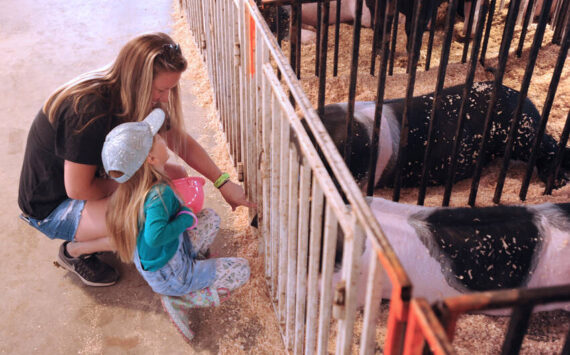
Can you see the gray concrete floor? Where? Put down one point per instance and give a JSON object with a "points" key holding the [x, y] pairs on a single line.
{"points": [[45, 309]]}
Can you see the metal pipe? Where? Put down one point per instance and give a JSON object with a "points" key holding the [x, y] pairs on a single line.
{"points": [[525, 25], [536, 43], [503, 56], [452, 10], [431, 35], [352, 85], [412, 64], [468, 34], [487, 32], [389, 14], [559, 155], [546, 109], [336, 37], [323, 59]]}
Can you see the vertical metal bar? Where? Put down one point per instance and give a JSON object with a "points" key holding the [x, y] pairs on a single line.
{"points": [[350, 267], [412, 64], [468, 34], [452, 10], [431, 35], [336, 37], [317, 206], [326, 280], [518, 326], [524, 27], [294, 28], [536, 43], [559, 155], [374, 286], [275, 184], [236, 88], [266, 175], [503, 56], [394, 40], [562, 18], [386, 24], [487, 32], [352, 84], [379, 13], [293, 201], [319, 34], [283, 225], [323, 59], [466, 89], [243, 83], [546, 109], [298, 35], [304, 219]]}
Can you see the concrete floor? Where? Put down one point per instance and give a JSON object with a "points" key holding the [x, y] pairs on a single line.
{"points": [[45, 309]]}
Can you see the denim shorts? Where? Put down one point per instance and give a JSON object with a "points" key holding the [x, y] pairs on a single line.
{"points": [[182, 274], [62, 222]]}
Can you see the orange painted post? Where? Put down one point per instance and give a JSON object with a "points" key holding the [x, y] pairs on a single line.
{"points": [[414, 341], [424, 328], [251, 40]]}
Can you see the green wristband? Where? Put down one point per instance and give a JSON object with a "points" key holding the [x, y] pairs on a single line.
{"points": [[221, 180]]}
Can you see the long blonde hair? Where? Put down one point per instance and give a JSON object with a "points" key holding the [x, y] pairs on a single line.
{"points": [[127, 84], [125, 210]]}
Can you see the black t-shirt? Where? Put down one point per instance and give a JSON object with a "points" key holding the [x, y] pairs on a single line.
{"points": [[42, 186]]}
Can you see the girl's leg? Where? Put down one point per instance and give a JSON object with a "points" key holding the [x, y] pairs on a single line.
{"points": [[231, 273], [206, 230]]}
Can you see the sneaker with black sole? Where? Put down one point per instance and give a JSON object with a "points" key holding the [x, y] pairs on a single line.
{"points": [[91, 270]]}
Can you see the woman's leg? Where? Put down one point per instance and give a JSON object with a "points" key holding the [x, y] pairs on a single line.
{"points": [[91, 235]]}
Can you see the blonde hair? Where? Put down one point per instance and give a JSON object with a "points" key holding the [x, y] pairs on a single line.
{"points": [[127, 84], [125, 210]]}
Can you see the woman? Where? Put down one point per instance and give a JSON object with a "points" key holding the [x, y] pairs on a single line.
{"points": [[64, 190]]}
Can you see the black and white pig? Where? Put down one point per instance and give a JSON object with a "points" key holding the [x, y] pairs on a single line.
{"points": [[451, 251], [335, 115]]}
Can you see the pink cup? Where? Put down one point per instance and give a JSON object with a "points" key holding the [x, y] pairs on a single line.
{"points": [[191, 190]]}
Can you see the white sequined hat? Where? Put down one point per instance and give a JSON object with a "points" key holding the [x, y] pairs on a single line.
{"points": [[127, 145]]}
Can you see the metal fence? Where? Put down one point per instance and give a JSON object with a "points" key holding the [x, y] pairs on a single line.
{"points": [[306, 198]]}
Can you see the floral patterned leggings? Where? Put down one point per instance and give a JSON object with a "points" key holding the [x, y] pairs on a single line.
{"points": [[231, 273]]}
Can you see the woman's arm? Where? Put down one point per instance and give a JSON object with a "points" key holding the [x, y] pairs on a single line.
{"points": [[195, 156], [82, 184]]}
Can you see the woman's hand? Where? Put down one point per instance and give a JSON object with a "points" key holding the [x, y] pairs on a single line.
{"points": [[235, 195]]}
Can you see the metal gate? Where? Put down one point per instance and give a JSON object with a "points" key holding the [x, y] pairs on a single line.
{"points": [[306, 198]]}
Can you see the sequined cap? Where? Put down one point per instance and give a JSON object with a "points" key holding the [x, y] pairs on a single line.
{"points": [[127, 145]]}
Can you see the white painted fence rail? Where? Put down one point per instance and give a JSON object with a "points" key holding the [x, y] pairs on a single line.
{"points": [[300, 209]]}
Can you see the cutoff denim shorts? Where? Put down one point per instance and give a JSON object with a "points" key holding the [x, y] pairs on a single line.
{"points": [[62, 222], [182, 274]]}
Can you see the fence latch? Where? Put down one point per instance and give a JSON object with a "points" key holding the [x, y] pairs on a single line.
{"points": [[237, 58], [339, 298]]}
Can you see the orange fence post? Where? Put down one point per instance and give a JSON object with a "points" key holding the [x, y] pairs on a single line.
{"points": [[423, 326]]}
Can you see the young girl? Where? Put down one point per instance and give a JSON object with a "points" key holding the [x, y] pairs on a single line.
{"points": [[150, 226]]}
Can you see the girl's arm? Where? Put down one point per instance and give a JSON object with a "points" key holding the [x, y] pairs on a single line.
{"points": [[195, 156], [159, 227], [82, 184]]}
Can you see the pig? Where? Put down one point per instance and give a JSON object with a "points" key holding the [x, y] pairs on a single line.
{"points": [[334, 120]]}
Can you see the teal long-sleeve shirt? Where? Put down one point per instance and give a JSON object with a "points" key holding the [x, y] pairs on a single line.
{"points": [[157, 240]]}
